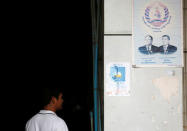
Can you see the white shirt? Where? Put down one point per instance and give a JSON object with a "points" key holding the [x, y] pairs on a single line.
{"points": [[165, 48], [46, 120], [149, 48]]}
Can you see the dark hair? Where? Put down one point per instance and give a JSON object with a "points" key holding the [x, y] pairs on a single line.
{"points": [[149, 36], [166, 36], [48, 93]]}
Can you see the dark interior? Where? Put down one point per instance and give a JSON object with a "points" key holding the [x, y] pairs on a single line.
{"points": [[54, 50]]}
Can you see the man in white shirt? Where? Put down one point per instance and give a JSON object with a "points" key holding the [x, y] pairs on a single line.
{"points": [[46, 119]]}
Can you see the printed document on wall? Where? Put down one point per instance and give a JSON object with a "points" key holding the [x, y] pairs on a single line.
{"points": [[118, 79], [157, 33]]}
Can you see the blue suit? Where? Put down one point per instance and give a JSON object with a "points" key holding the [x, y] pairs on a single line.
{"points": [[143, 50], [170, 49]]}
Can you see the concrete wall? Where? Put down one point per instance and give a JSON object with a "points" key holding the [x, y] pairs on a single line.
{"points": [[185, 68], [118, 14], [147, 109]]}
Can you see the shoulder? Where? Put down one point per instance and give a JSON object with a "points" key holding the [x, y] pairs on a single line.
{"points": [[172, 47], [142, 47], [154, 46], [161, 47], [60, 121], [32, 120], [60, 124]]}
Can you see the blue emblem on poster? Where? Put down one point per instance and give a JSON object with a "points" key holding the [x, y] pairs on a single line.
{"points": [[117, 73]]}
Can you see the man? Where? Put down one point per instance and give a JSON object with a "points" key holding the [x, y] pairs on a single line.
{"points": [[46, 119], [148, 48], [166, 48]]}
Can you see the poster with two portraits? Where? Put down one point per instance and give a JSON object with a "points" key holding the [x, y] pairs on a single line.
{"points": [[157, 33]]}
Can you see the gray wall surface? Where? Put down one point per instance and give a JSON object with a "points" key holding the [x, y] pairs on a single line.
{"points": [[150, 106]]}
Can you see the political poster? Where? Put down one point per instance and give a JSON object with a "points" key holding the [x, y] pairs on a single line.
{"points": [[157, 33]]}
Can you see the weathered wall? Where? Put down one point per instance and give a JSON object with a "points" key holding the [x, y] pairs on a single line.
{"points": [[152, 106]]}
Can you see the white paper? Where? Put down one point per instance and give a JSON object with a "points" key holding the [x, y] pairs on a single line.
{"points": [[157, 33], [118, 79]]}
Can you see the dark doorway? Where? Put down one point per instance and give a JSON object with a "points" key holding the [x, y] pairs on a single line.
{"points": [[54, 49]]}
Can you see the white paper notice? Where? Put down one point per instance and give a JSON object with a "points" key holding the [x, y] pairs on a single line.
{"points": [[118, 79]]}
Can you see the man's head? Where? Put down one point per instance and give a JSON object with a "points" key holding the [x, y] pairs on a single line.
{"points": [[52, 98], [148, 40], [165, 39]]}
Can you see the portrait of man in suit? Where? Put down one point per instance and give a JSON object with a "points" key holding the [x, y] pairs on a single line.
{"points": [[167, 48], [148, 48]]}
